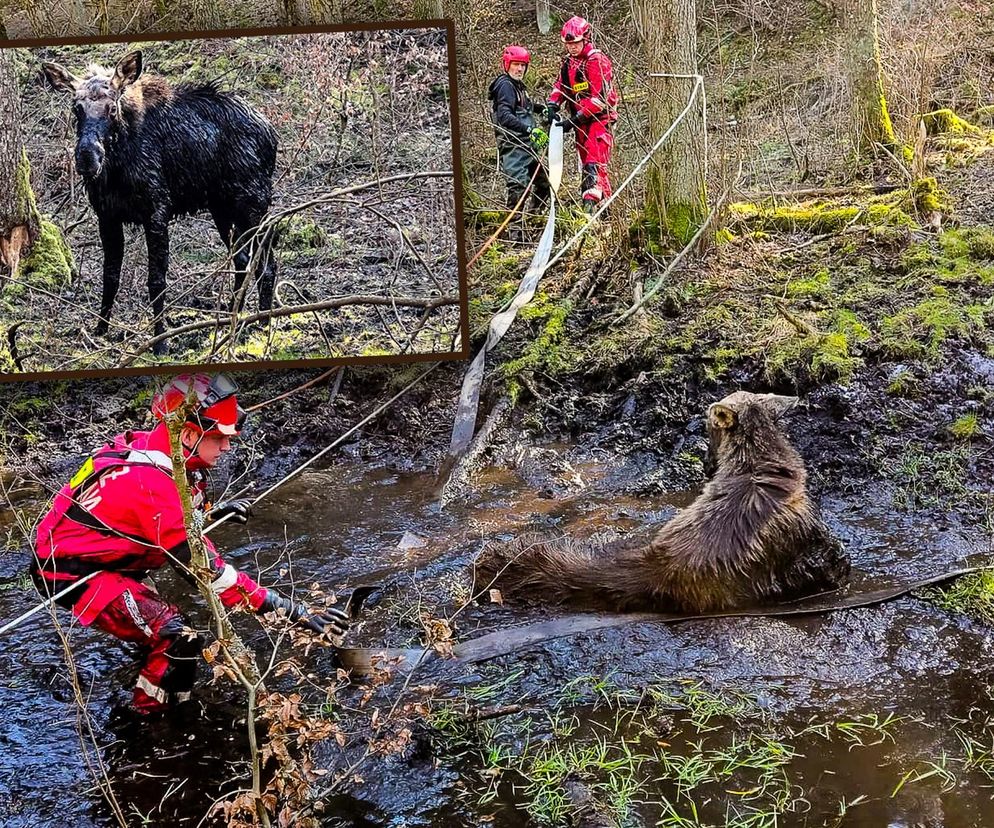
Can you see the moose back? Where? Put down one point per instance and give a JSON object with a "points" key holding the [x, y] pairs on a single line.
{"points": [[149, 151]]}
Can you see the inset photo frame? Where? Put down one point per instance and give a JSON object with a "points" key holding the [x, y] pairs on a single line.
{"points": [[250, 198]]}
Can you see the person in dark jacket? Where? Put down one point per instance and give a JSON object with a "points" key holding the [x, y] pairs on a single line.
{"points": [[520, 139]]}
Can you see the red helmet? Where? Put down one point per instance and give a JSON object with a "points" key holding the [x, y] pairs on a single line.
{"points": [[515, 54], [575, 29], [216, 408]]}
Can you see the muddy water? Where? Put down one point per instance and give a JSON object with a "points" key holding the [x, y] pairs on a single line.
{"points": [[349, 524]]}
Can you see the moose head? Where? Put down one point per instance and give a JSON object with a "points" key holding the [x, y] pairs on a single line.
{"points": [[97, 104]]}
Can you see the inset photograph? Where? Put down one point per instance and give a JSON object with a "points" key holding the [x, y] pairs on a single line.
{"points": [[248, 199]]}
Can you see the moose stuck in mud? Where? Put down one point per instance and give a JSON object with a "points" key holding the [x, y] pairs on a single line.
{"points": [[149, 151], [233, 200], [752, 537]]}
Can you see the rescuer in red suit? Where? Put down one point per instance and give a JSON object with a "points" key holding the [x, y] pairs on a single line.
{"points": [[584, 93], [121, 516]]}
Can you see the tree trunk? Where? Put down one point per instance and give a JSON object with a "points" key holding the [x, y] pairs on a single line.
{"points": [[19, 219], [206, 15], [325, 11], [872, 124], [677, 197], [428, 9]]}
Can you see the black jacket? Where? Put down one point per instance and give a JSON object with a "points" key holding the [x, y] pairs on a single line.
{"points": [[511, 106]]}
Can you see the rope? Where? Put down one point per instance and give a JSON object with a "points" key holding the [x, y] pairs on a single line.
{"points": [[507, 641], [372, 415], [507, 220]]}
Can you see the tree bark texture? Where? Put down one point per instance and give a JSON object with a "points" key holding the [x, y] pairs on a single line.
{"points": [[543, 16], [428, 9], [677, 194], [861, 32], [19, 219]]}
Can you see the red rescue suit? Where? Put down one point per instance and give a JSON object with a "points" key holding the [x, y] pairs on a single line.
{"points": [[121, 516], [584, 86]]}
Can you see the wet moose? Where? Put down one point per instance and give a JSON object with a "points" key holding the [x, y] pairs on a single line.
{"points": [[149, 151]]}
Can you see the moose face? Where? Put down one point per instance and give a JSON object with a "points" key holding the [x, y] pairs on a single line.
{"points": [[96, 106]]}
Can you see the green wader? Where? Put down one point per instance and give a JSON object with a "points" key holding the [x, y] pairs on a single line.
{"points": [[518, 162]]}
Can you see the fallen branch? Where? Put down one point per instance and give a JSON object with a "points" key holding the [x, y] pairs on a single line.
{"points": [[799, 324], [821, 192], [302, 387], [339, 302]]}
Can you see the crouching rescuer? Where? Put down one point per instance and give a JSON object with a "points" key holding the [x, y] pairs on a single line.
{"points": [[121, 517], [520, 140], [584, 100]]}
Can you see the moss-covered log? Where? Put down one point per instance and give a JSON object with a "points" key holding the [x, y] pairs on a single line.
{"points": [[947, 122]]}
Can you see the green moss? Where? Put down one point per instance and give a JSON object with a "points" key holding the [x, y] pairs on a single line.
{"points": [[817, 217], [972, 595], [947, 122], [50, 262], [816, 286], [273, 344], [659, 226], [270, 77], [24, 197], [962, 255], [303, 236], [903, 384], [920, 330], [965, 426], [925, 197], [550, 352], [979, 242], [824, 357]]}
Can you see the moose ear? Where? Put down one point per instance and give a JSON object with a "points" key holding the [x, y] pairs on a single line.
{"points": [[128, 69], [721, 416], [59, 77]]}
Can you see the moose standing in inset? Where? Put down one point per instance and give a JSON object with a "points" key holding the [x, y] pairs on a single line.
{"points": [[149, 151]]}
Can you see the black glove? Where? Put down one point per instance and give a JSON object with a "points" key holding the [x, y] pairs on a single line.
{"points": [[551, 113], [330, 620], [239, 509], [568, 124]]}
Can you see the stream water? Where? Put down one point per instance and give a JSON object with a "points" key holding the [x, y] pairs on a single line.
{"points": [[351, 523]]}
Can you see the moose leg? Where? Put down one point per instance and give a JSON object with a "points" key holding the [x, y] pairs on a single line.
{"points": [[247, 221], [267, 274], [157, 241], [112, 241]]}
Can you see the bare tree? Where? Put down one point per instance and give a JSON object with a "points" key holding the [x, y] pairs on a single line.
{"points": [[861, 31], [677, 193], [19, 219]]}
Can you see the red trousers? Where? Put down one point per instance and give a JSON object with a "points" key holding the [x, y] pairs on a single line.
{"points": [[593, 147], [141, 616]]}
